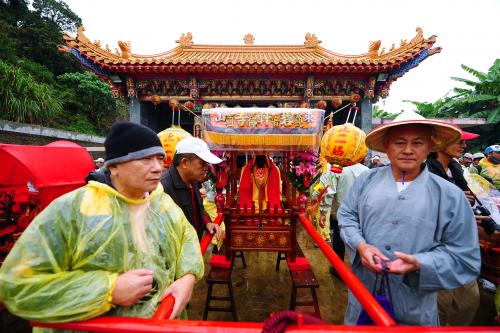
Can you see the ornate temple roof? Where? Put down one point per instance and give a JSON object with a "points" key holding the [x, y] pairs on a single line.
{"points": [[310, 57]]}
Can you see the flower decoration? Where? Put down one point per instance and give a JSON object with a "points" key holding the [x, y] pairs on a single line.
{"points": [[304, 170]]}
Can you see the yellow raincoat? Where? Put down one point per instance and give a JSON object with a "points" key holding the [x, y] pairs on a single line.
{"points": [[64, 266]]}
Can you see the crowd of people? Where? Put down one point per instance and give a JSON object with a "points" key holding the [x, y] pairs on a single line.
{"points": [[130, 237]]}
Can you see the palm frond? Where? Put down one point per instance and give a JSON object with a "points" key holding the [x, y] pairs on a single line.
{"points": [[476, 73]]}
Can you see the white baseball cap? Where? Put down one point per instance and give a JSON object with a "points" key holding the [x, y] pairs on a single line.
{"points": [[469, 155], [478, 155], [192, 145]]}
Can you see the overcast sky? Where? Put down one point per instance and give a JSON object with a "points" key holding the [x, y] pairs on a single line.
{"points": [[468, 31]]}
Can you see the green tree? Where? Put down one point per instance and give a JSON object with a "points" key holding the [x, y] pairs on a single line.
{"points": [[93, 105], [432, 109], [481, 98], [59, 13], [378, 112], [25, 100]]}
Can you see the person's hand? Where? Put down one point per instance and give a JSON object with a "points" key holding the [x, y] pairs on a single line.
{"points": [[403, 264], [181, 289], [322, 221], [470, 197], [132, 286], [371, 257], [214, 228]]}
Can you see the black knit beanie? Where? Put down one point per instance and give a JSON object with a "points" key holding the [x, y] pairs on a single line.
{"points": [[128, 141]]}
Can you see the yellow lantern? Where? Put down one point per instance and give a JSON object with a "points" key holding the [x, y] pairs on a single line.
{"points": [[169, 139], [343, 145]]}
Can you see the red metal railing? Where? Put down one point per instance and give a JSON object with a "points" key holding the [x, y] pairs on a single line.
{"points": [[372, 307]]}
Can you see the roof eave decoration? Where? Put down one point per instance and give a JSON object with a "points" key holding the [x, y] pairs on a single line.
{"points": [[189, 57]]}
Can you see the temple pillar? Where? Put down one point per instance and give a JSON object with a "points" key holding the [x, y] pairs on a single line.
{"points": [[134, 110], [366, 115]]}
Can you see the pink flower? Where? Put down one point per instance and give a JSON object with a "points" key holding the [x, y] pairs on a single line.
{"points": [[308, 156], [311, 168], [300, 169]]}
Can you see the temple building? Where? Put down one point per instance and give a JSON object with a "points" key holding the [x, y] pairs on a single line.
{"points": [[159, 88]]}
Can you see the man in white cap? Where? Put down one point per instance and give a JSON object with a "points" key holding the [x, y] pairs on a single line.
{"points": [[475, 167], [182, 182], [416, 224], [466, 160], [375, 162], [99, 163]]}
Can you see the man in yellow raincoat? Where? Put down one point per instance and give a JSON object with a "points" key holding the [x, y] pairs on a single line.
{"points": [[116, 246]]}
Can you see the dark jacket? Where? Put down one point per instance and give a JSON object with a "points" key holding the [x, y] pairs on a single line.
{"points": [[101, 176], [181, 194], [456, 171]]}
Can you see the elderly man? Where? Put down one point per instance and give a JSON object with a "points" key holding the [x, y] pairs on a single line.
{"points": [[115, 247], [420, 225], [182, 182]]}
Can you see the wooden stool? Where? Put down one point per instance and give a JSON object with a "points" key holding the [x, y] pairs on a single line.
{"points": [[218, 275], [281, 256], [304, 279], [239, 254]]}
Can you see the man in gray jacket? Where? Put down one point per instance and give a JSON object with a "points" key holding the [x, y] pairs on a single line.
{"points": [[416, 223]]}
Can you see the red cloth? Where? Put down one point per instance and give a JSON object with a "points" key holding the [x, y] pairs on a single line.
{"points": [[219, 260], [245, 190], [300, 264]]}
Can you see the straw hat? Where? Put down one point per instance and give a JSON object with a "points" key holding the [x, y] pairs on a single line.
{"points": [[444, 134]]}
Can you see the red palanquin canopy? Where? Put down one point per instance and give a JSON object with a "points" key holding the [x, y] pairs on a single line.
{"points": [[48, 171]]}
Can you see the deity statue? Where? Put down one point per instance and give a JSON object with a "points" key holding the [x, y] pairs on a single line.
{"points": [[260, 184]]}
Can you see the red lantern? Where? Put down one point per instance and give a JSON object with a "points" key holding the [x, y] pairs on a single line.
{"points": [[354, 98], [155, 99], [189, 105], [321, 104], [337, 101]]}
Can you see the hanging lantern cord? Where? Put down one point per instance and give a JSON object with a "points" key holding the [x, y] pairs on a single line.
{"points": [[355, 108], [342, 108], [186, 109]]}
